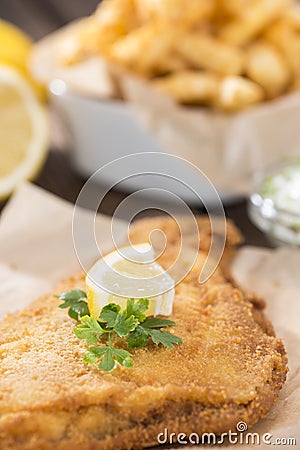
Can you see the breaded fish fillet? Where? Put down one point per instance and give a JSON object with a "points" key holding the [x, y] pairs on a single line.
{"points": [[229, 368]]}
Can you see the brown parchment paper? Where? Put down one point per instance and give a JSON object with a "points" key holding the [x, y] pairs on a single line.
{"points": [[36, 251]]}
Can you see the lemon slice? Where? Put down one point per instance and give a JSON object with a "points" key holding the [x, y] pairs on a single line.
{"points": [[130, 272], [24, 131]]}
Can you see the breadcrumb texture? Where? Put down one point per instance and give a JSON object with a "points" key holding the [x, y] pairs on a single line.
{"points": [[229, 368]]}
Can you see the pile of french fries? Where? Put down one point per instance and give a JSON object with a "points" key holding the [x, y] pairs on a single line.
{"points": [[224, 54]]}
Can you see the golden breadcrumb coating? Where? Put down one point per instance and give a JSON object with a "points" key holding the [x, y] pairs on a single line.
{"points": [[141, 230], [230, 367]]}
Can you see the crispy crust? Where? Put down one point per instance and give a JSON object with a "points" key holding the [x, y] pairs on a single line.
{"points": [[230, 367], [141, 230]]}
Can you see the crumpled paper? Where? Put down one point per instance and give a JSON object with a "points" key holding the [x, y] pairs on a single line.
{"points": [[228, 148], [88, 77], [36, 251]]}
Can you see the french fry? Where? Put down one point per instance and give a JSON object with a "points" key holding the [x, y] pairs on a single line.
{"points": [[237, 93], [171, 63], [71, 49], [190, 86], [292, 17], [205, 52], [112, 20], [295, 86], [253, 21], [288, 42], [237, 7], [144, 49], [266, 66], [118, 12], [229, 54], [219, 17], [91, 38], [99, 38], [189, 13]]}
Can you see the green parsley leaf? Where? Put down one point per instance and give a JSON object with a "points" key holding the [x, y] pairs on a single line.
{"points": [[130, 323], [124, 324], [109, 314], [76, 302], [137, 308], [122, 356], [93, 354], [89, 330], [164, 337], [107, 364], [79, 310], [156, 322], [128, 362], [73, 295], [137, 338]]}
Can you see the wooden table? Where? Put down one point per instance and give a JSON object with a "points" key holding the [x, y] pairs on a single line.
{"points": [[38, 18]]}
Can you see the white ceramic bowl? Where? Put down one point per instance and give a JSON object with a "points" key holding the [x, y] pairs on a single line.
{"points": [[104, 130]]}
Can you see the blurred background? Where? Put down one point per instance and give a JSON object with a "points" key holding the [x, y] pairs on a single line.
{"points": [[39, 18]]}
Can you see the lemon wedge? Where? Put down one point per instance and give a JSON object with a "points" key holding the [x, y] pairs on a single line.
{"points": [[130, 272], [24, 131], [15, 50], [15, 46]]}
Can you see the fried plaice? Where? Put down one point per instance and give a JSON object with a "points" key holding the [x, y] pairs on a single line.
{"points": [[230, 367]]}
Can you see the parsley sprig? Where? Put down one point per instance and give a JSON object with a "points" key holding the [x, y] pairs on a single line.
{"points": [[76, 302], [130, 324]]}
